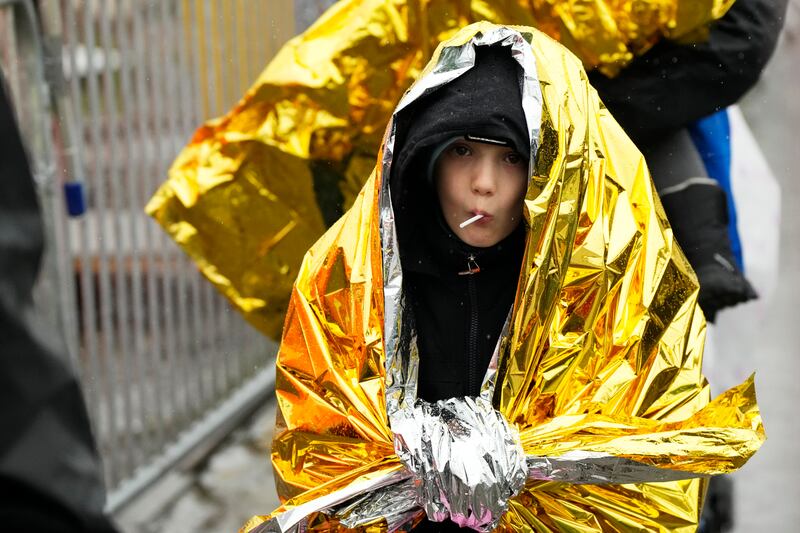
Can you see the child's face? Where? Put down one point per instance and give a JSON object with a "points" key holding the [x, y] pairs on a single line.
{"points": [[477, 178]]}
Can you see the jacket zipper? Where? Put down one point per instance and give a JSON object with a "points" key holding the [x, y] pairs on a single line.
{"points": [[472, 342]]}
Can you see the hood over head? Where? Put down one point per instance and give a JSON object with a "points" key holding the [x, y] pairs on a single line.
{"points": [[485, 104]]}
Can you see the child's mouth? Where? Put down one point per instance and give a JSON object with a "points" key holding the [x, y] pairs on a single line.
{"points": [[479, 217], [469, 221]]}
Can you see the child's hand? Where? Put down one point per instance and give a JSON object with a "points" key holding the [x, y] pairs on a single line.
{"points": [[466, 459]]}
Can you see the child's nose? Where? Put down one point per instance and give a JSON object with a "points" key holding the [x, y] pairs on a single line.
{"points": [[484, 181]]}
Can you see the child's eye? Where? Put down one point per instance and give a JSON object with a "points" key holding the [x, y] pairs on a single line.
{"points": [[460, 150], [513, 158]]}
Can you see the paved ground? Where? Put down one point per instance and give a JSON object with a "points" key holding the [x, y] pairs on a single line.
{"points": [[229, 487], [236, 481]]}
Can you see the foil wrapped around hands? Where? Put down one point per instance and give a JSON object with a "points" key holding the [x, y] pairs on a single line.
{"points": [[466, 460], [460, 459]]}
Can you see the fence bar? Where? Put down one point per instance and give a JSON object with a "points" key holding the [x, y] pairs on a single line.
{"points": [[116, 225], [246, 355], [222, 55], [103, 239], [197, 346], [201, 110], [216, 45], [152, 368], [132, 154], [234, 36], [177, 134], [90, 342], [162, 157], [236, 91], [190, 119], [240, 53], [64, 165], [248, 45], [261, 25], [199, 33], [271, 31], [173, 272], [205, 356], [209, 57], [216, 53]]}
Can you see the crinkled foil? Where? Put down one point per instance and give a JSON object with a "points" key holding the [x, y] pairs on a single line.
{"points": [[608, 34], [598, 370], [467, 461], [255, 188]]}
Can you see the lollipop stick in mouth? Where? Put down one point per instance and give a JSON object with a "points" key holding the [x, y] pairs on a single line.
{"points": [[470, 221]]}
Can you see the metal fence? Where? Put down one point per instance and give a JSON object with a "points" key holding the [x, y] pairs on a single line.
{"points": [[107, 92]]}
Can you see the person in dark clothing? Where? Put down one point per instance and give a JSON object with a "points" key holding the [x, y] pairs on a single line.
{"points": [[697, 207], [462, 152], [675, 84], [50, 474], [664, 92]]}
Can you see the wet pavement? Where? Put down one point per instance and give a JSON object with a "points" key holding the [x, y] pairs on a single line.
{"points": [[220, 494]]}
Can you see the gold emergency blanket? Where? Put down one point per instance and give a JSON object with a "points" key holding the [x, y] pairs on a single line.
{"points": [[255, 188], [602, 357]]}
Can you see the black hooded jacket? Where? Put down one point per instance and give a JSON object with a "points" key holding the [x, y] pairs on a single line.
{"points": [[458, 316]]}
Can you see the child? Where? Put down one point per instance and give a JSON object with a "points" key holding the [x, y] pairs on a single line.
{"points": [[464, 152], [504, 288], [464, 155]]}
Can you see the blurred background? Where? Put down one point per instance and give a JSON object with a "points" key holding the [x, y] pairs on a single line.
{"points": [[177, 385]]}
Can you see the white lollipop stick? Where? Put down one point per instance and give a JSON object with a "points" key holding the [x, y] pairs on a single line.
{"points": [[470, 221]]}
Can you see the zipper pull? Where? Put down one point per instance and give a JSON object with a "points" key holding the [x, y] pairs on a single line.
{"points": [[472, 267]]}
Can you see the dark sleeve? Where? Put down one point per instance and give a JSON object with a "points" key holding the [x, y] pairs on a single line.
{"points": [[673, 85], [50, 475]]}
